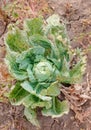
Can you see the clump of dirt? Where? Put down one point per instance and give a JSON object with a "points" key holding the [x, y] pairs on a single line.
{"points": [[3, 22]]}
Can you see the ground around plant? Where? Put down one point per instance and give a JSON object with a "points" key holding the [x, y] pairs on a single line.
{"points": [[76, 14]]}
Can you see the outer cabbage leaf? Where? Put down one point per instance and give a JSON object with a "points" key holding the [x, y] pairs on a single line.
{"points": [[34, 26], [77, 71], [16, 40], [37, 39], [52, 90], [31, 116], [28, 87], [17, 95], [34, 101], [58, 109], [14, 67]]}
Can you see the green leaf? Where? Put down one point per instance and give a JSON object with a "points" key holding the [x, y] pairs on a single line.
{"points": [[37, 39], [24, 64], [58, 109], [30, 74], [52, 90], [41, 86], [65, 69], [38, 50], [30, 100], [26, 55], [34, 101], [14, 67], [77, 72], [41, 104], [17, 95], [34, 26], [16, 40], [56, 62], [28, 87], [30, 56], [31, 116]]}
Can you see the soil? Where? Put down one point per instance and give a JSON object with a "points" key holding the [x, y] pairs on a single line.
{"points": [[76, 14]]}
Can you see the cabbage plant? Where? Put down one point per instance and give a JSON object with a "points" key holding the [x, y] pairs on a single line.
{"points": [[41, 60]]}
